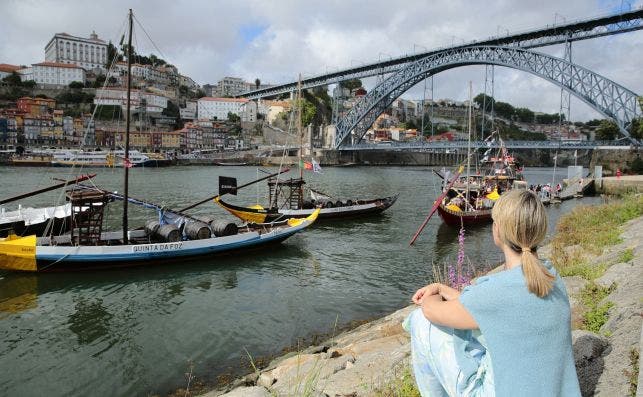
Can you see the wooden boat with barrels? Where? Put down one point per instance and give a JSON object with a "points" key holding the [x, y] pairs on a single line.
{"points": [[145, 246], [470, 199], [172, 236], [286, 198]]}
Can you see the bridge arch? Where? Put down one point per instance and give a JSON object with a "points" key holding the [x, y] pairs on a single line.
{"points": [[607, 97]]}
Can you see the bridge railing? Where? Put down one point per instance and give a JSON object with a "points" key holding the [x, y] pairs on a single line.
{"points": [[462, 144], [597, 26]]}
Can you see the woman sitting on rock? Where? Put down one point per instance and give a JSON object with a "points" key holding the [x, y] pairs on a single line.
{"points": [[509, 334]]}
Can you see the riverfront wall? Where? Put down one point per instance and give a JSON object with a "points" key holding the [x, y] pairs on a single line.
{"points": [[610, 159]]}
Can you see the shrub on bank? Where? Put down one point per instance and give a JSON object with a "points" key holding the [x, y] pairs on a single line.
{"points": [[592, 228]]}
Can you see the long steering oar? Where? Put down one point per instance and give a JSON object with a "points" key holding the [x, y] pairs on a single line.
{"points": [[437, 204], [46, 189]]}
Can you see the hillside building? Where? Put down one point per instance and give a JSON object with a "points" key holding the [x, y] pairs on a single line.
{"points": [[7, 70], [88, 53], [53, 74], [209, 108]]}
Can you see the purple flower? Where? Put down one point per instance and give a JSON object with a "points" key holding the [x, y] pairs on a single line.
{"points": [[451, 276], [460, 276]]}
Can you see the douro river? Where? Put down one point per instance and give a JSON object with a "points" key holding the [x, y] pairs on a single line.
{"points": [[139, 331]]}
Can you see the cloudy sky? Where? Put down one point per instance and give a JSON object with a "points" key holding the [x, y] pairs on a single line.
{"points": [[275, 40]]}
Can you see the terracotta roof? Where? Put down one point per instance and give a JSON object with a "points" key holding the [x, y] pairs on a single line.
{"points": [[243, 100], [5, 67], [57, 65]]}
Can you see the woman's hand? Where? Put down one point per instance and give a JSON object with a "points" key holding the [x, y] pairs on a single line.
{"points": [[431, 289], [447, 293]]}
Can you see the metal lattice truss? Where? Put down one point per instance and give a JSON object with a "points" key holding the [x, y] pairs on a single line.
{"points": [[602, 94], [562, 33]]}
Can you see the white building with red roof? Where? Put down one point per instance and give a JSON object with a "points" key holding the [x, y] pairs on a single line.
{"points": [[209, 107], [88, 53], [53, 73], [7, 70]]}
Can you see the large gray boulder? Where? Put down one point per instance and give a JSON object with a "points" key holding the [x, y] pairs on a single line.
{"points": [[588, 357]]}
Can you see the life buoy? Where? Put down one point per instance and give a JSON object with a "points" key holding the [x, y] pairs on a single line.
{"points": [[349, 202], [328, 204]]}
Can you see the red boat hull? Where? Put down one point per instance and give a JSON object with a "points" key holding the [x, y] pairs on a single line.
{"points": [[455, 218]]}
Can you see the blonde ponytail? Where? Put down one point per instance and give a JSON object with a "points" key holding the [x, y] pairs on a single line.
{"points": [[539, 280], [522, 225]]}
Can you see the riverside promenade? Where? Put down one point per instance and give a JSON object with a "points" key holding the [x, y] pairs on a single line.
{"points": [[374, 359]]}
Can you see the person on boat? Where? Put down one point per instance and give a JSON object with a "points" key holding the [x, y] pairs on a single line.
{"points": [[507, 334]]}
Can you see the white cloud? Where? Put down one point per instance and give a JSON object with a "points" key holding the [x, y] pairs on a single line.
{"points": [[312, 37]]}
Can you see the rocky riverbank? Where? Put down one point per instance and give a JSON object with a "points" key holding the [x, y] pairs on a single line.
{"points": [[369, 359]]}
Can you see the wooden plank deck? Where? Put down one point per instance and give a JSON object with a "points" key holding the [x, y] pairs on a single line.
{"points": [[574, 188]]}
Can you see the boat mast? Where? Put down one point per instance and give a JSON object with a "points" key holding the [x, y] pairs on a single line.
{"points": [[299, 130], [469, 148], [301, 144], [127, 127]]}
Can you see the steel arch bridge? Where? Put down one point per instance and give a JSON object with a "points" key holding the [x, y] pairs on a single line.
{"points": [[607, 97]]}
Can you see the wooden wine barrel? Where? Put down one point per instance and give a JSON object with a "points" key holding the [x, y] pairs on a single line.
{"points": [[222, 228], [205, 219], [197, 230], [151, 227], [168, 233]]}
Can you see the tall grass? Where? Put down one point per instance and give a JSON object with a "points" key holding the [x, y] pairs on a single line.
{"points": [[592, 228], [595, 313]]}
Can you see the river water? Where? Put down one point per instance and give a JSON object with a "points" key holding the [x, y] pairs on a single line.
{"points": [[139, 331]]}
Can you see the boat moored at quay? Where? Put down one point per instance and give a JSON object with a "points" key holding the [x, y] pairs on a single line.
{"points": [[88, 158], [99, 159]]}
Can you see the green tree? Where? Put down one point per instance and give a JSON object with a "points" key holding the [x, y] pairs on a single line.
{"points": [[480, 100], [183, 90], [351, 84], [636, 129], [76, 85], [112, 53], [100, 80], [29, 84], [13, 79], [607, 130], [512, 132], [257, 83], [593, 123], [504, 109], [308, 111], [171, 110], [233, 117], [525, 115]]}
